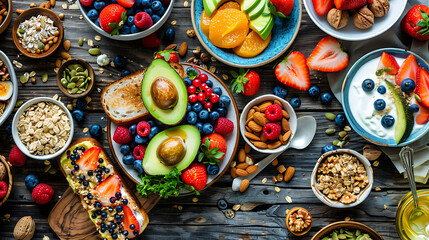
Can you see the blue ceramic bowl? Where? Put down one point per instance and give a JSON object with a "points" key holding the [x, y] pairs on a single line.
{"points": [[400, 53], [283, 35]]}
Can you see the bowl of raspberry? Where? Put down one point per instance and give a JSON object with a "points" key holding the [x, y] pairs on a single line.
{"points": [[126, 20]]}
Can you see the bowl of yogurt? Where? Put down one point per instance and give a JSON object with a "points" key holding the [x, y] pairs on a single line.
{"points": [[379, 109]]}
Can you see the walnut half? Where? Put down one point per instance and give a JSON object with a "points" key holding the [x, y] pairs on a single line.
{"points": [[300, 220]]}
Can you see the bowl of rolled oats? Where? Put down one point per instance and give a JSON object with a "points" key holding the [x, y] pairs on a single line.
{"points": [[37, 32], [42, 128], [6, 11], [8, 88], [342, 178]]}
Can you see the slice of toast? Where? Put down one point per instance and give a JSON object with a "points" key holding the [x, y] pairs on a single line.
{"points": [[122, 101]]}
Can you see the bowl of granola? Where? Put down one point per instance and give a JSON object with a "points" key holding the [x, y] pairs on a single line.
{"points": [[42, 128], [342, 178], [37, 32], [8, 88]]}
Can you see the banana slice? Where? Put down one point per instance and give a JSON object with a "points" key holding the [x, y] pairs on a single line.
{"points": [[6, 89]]}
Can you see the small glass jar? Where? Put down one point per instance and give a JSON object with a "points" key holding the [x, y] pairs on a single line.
{"points": [[406, 205]]}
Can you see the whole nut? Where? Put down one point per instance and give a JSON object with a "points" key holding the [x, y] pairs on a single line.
{"points": [[183, 49], [363, 18], [244, 185], [379, 7], [24, 228], [3, 171], [338, 18], [241, 155]]}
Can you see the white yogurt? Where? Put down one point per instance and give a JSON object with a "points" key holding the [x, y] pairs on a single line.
{"points": [[362, 103]]}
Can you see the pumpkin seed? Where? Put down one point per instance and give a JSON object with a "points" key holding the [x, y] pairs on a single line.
{"points": [[330, 116], [20, 30], [71, 85], [74, 90], [336, 143], [80, 42], [330, 131], [23, 79], [40, 45], [19, 103], [342, 134], [94, 51], [64, 82], [75, 78], [45, 77]]}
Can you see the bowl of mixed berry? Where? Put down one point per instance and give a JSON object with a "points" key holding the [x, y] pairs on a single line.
{"points": [[126, 20]]}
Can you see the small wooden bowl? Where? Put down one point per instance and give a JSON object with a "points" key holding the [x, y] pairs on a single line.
{"points": [[91, 74], [292, 211], [8, 179], [8, 18], [27, 14], [349, 225]]}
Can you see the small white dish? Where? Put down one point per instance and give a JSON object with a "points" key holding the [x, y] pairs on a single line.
{"points": [[17, 139], [363, 193], [258, 100], [12, 101]]}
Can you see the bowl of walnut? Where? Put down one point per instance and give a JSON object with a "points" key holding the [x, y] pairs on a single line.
{"points": [[342, 178], [42, 128]]}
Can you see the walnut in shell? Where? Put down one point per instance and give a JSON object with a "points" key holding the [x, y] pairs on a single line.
{"points": [[363, 18], [3, 171], [24, 228], [379, 7], [338, 18]]}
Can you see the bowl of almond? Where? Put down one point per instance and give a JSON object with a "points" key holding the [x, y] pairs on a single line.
{"points": [[268, 124]]}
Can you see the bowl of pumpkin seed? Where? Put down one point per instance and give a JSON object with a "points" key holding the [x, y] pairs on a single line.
{"points": [[76, 78]]}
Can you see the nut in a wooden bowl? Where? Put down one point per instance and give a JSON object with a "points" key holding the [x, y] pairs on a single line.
{"points": [[350, 225], [6, 12], [299, 221], [5, 175], [76, 78]]}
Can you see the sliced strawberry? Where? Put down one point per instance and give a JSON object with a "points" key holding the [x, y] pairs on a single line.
{"points": [[349, 4], [126, 3], [422, 86], [423, 116], [293, 71], [408, 69], [89, 159], [388, 64], [195, 176], [129, 219], [107, 189], [322, 7], [328, 56]]}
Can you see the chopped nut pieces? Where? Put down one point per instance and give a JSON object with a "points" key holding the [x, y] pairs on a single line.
{"points": [[299, 220]]}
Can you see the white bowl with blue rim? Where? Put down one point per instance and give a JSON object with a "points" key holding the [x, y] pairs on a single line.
{"points": [[283, 34], [132, 36], [12, 101], [371, 60]]}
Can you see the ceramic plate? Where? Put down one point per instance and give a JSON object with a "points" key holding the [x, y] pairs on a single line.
{"points": [[351, 32], [400, 53], [283, 35], [12, 101], [231, 139]]}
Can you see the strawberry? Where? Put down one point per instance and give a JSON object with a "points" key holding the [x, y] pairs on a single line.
{"points": [[112, 18], [408, 69], [293, 71], [195, 176], [416, 22], [281, 8], [322, 7], [246, 82], [151, 41], [422, 86], [349, 4], [387, 64], [167, 55], [158, 56], [423, 116], [126, 3], [328, 56], [89, 159], [107, 189], [213, 149], [130, 219]]}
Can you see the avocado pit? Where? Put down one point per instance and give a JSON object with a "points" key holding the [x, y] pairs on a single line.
{"points": [[171, 151], [164, 93]]}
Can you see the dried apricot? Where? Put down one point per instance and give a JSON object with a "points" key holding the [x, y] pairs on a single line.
{"points": [[205, 23], [228, 28], [252, 46]]}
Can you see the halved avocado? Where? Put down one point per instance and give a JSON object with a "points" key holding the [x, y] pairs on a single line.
{"points": [[164, 93], [175, 147], [405, 123]]}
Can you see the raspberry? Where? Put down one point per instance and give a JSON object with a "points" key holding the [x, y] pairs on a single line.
{"points": [[86, 3], [42, 193], [122, 135], [3, 189], [224, 126], [274, 113], [138, 152], [143, 128], [16, 157], [143, 20], [272, 130], [151, 41]]}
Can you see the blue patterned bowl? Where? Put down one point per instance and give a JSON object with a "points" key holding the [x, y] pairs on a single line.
{"points": [[283, 35], [395, 52]]}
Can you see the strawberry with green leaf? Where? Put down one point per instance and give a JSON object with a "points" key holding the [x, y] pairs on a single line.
{"points": [[246, 82], [416, 22], [167, 55], [112, 18], [281, 8], [213, 149]]}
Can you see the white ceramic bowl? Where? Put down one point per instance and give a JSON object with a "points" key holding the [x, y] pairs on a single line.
{"points": [[363, 193], [12, 101], [133, 36], [21, 110], [351, 32], [286, 106]]}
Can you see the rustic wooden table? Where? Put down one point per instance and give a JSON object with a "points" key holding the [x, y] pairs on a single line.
{"points": [[200, 220]]}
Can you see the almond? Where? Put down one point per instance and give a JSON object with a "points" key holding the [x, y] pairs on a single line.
{"points": [[263, 106], [242, 166], [256, 108], [285, 114], [171, 47], [281, 139], [260, 118], [275, 162], [244, 185], [252, 169], [67, 45], [252, 136], [263, 137], [19, 11], [65, 55], [289, 174], [183, 49], [58, 63], [247, 148], [242, 173], [42, 5], [233, 172], [241, 155], [248, 129], [274, 145], [286, 136], [285, 125], [48, 5], [279, 177], [254, 126], [52, 3], [248, 120], [250, 113], [278, 103], [260, 144], [274, 180]]}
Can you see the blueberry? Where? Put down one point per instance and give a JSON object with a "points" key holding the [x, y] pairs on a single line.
{"points": [[134, 29], [197, 107], [31, 181], [295, 102], [133, 129], [161, 12], [280, 91], [78, 115], [379, 104], [151, 123], [104, 214], [155, 18], [207, 128], [99, 5], [98, 205], [387, 121], [314, 91], [9, 129], [146, 3], [118, 218], [153, 132], [132, 226], [158, 123], [125, 30], [191, 118], [222, 204], [169, 33], [93, 216], [130, 11], [140, 140], [95, 130], [125, 201], [81, 104], [368, 85], [341, 119], [119, 208], [326, 98], [137, 165], [214, 116], [210, 84], [137, 4], [93, 14], [187, 81], [224, 101], [204, 114], [97, 22], [125, 72], [191, 72], [125, 149], [328, 148], [199, 126], [217, 90], [381, 89], [156, 5], [414, 108], [212, 169], [114, 235], [222, 111], [119, 62], [130, 21], [408, 85], [148, 11]]}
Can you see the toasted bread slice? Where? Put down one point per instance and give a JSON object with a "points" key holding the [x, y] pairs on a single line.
{"points": [[122, 101]]}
